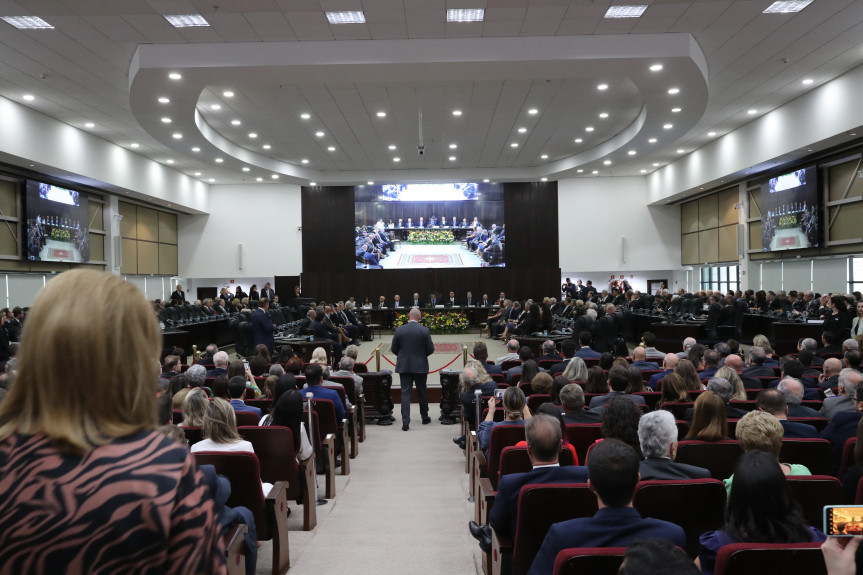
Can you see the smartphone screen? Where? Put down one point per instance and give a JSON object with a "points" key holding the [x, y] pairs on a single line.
{"points": [[246, 364], [843, 520], [498, 393]]}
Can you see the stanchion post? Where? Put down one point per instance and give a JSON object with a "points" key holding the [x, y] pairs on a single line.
{"points": [[378, 359], [464, 354]]}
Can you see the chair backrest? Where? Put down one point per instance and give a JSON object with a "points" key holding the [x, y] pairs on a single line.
{"points": [[682, 428], [815, 404], [761, 558], [350, 386], [813, 492], [651, 398], [244, 472], [815, 454], [582, 436], [547, 363], [360, 368], [539, 507], [340, 391], [674, 501], [274, 446], [525, 386], [746, 405], [246, 418], [515, 460], [193, 435], [847, 457], [505, 365], [537, 399], [265, 405], [177, 416], [501, 436], [326, 411], [592, 560], [678, 408], [720, 457], [818, 423]]}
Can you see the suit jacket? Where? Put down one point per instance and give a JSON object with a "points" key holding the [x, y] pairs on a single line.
{"points": [[238, 405], [645, 365], [610, 527], [262, 329], [657, 377], [412, 344], [601, 400], [835, 405], [757, 371], [558, 367], [320, 331], [503, 514], [587, 353], [841, 427], [709, 372], [268, 293], [661, 468], [803, 411], [216, 372], [323, 393], [583, 416], [831, 382], [178, 295], [794, 429]]}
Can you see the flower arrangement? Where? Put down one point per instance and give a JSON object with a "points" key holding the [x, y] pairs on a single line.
{"points": [[431, 237], [61, 235], [439, 322]]}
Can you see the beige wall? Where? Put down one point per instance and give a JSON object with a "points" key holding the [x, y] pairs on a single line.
{"points": [[149, 241]]}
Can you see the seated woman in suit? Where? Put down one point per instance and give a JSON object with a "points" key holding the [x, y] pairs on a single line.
{"points": [[528, 325], [760, 510], [708, 419]]}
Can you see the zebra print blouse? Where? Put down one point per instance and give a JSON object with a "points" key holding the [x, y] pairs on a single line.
{"points": [[137, 505]]}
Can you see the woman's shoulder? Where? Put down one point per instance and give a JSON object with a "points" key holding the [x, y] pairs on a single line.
{"points": [[715, 539]]}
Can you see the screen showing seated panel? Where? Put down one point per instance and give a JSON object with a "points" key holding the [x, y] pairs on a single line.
{"points": [[412, 226], [790, 216], [56, 226]]}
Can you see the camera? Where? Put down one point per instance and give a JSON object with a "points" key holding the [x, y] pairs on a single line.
{"points": [[421, 150]]}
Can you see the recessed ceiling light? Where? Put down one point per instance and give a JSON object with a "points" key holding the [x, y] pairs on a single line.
{"points": [[175, 76], [680, 150], [711, 134], [319, 134], [305, 116], [219, 160], [603, 114], [89, 125], [246, 168], [216, 107], [211, 180], [807, 81], [594, 172], [134, 145], [522, 130], [788, 6], [852, 133], [514, 145], [266, 146], [656, 68], [304, 161], [381, 114], [28, 22], [675, 110], [274, 176], [655, 164], [452, 158], [169, 161], [602, 87], [346, 17], [259, 179], [543, 179], [533, 111], [485, 181], [177, 136], [186, 20], [370, 183], [313, 183], [164, 100], [29, 97], [196, 149], [643, 171], [332, 148], [651, 141], [228, 94], [752, 112], [391, 147], [580, 171], [236, 122], [453, 146], [544, 156], [456, 112], [588, 129], [397, 159], [578, 140], [253, 135], [667, 126], [197, 173], [465, 15], [631, 11], [166, 120], [673, 91], [631, 152], [607, 162]]}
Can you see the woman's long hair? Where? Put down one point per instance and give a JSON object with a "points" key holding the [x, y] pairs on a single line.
{"points": [[288, 412]]}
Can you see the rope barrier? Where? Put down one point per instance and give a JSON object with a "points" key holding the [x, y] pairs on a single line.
{"points": [[431, 372]]}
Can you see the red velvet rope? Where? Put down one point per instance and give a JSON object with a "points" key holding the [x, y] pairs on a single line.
{"points": [[431, 372]]}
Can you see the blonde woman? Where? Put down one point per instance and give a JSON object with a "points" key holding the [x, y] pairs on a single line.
{"points": [[195, 408], [576, 370], [68, 424], [220, 433], [319, 355], [738, 392]]}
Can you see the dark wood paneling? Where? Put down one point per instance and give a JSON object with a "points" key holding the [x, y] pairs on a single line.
{"points": [[531, 226], [328, 229]]}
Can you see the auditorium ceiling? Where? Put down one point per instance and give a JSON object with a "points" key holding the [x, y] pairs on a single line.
{"points": [[271, 91]]}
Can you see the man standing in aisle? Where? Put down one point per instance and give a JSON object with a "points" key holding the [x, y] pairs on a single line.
{"points": [[412, 344], [179, 296]]}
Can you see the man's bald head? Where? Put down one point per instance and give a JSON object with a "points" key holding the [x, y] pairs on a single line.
{"points": [[543, 434], [670, 360], [639, 354], [311, 314], [512, 345], [832, 366], [414, 314], [735, 362]]}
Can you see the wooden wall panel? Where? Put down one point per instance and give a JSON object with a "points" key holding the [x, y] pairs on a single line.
{"points": [[689, 249], [129, 223], [95, 218], [728, 243], [9, 243], [708, 246], [8, 199], [168, 260], [167, 228], [726, 201], [97, 247], [708, 212], [689, 217], [130, 257], [148, 225], [148, 258]]}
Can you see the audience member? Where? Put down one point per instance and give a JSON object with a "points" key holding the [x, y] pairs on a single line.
{"points": [[772, 401], [314, 377], [656, 556], [708, 420], [843, 426], [657, 436], [849, 380], [639, 360], [673, 390], [288, 412], [668, 365], [512, 352], [236, 391], [792, 389], [515, 413], [576, 370], [618, 380], [686, 370], [620, 421], [195, 408], [574, 411], [220, 361]]}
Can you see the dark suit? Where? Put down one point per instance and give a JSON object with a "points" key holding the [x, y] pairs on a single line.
{"points": [[831, 382], [492, 369], [657, 377], [216, 372], [841, 427], [797, 430], [610, 527], [268, 293], [601, 400], [503, 514], [583, 416], [757, 371], [558, 367], [262, 329], [803, 411], [319, 330], [587, 353], [661, 468], [178, 296], [644, 365], [412, 344]]}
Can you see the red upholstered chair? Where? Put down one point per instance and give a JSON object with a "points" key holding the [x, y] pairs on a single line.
{"points": [[682, 428], [246, 418], [548, 363], [525, 386], [815, 404], [352, 421], [501, 436], [360, 367], [752, 394], [582, 436], [720, 457], [193, 435], [235, 549], [265, 405], [762, 558], [537, 399], [646, 374], [815, 454], [357, 400], [847, 457], [747, 405], [330, 425], [515, 460], [539, 507], [651, 398], [678, 408], [765, 380], [694, 393], [504, 366], [589, 560], [731, 426], [270, 511], [813, 492], [498, 377], [325, 453], [177, 416], [675, 500], [274, 446]]}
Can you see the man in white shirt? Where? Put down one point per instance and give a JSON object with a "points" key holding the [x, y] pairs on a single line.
{"points": [[512, 348], [397, 303]]}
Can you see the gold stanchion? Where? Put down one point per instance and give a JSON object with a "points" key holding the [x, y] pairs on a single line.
{"points": [[195, 354], [464, 354], [378, 358]]}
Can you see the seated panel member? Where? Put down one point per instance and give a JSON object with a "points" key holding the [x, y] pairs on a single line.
{"points": [[410, 224], [421, 224], [416, 301], [432, 222], [433, 301], [612, 475], [451, 301], [469, 301], [382, 302], [397, 302]]}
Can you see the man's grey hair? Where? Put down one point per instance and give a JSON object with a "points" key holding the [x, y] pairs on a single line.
{"points": [[757, 355], [657, 432], [352, 351], [721, 387], [792, 389], [590, 312], [850, 344], [212, 349], [548, 347], [849, 379], [277, 370], [512, 345], [346, 363], [723, 348], [572, 397], [688, 343], [12, 366], [809, 344], [469, 377], [220, 359], [197, 374], [349, 305]]}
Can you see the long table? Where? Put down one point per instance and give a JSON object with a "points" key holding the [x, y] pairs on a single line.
{"points": [[402, 233], [384, 317], [203, 333]]}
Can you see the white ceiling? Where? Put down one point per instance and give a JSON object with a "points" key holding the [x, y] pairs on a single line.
{"points": [[82, 71]]}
